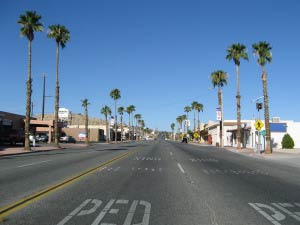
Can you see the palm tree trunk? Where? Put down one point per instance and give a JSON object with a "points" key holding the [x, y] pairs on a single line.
{"points": [[267, 121], [194, 120], [86, 126], [238, 104], [221, 127], [107, 140], [28, 101], [121, 128], [116, 126], [129, 133], [56, 133], [199, 125]]}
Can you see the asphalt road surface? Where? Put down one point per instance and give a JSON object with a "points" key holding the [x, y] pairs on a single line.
{"points": [[157, 183]]}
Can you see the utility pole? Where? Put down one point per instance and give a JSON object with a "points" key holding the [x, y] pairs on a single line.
{"points": [[43, 105]]}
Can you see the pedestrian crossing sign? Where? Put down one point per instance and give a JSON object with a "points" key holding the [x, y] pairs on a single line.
{"points": [[259, 125]]}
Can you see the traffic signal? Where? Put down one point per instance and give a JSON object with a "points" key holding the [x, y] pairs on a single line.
{"points": [[259, 106]]}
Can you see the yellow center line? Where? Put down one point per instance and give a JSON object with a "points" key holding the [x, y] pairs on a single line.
{"points": [[7, 210]]}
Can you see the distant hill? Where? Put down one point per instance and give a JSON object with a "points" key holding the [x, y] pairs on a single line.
{"points": [[75, 119]]}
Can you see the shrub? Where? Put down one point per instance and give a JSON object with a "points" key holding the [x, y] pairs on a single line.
{"points": [[287, 141]]}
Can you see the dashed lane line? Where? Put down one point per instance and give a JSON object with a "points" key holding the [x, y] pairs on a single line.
{"points": [[180, 167]]}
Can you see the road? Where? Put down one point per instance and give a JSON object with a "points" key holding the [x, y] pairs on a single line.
{"points": [[157, 183]]}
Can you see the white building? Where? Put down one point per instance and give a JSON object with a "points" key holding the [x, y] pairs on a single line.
{"points": [[250, 136]]}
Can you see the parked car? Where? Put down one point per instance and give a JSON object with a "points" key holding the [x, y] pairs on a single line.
{"points": [[42, 138], [67, 139]]}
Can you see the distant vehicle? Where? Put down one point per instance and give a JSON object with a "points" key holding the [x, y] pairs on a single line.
{"points": [[42, 138], [67, 139]]}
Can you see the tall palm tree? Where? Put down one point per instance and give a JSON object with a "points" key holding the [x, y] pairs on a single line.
{"points": [[142, 125], [121, 112], [30, 23], [187, 109], [173, 127], [199, 108], [194, 104], [84, 104], [263, 51], [179, 121], [129, 110], [219, 79], [184, 118], [106, 111], [137, 118], [236, 52], [115, 94], [61, 35]]}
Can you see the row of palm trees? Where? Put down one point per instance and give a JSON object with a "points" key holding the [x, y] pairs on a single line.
{"points": [[115, 94], [237, 52], [196, 107], [30, 23]]}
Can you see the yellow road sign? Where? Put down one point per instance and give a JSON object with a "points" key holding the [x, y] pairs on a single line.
{"points": [[259, 124], [196, 135]]}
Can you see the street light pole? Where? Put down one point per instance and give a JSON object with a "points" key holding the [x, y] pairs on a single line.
{"points": [[43, 105]]}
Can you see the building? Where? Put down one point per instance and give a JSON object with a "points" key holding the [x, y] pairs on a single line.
{"points": [[250, 137]]}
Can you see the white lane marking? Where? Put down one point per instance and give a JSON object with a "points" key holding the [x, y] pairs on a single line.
{"points": [[276, 216], [180, 167], [131, 212], [103, 212], [103, 168], [31, 164], [171, 153], [74, 212]]}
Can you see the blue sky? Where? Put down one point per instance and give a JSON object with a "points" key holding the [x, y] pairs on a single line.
{"points": [[159, 53]]}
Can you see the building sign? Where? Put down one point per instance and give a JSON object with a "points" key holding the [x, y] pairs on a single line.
{"points": [[278, 127], [63, 113]]}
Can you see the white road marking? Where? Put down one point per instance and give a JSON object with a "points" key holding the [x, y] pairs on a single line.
{"points": [[171, 153], [180, 167], [93, 205], [74, 212], [276, 216], [31, 164], [131, 212], [103, 212]]}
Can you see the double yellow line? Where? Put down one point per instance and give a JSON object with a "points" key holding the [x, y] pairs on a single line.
{"points": [[7, 210]]}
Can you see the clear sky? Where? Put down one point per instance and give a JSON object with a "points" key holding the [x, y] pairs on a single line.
{"points": [[159, 53]]}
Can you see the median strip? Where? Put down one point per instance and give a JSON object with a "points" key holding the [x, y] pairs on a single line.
{"points": [[7, 210]]}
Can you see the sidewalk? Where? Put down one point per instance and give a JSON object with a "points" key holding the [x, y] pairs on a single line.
{"points": [[284, 156], [15, 150]]}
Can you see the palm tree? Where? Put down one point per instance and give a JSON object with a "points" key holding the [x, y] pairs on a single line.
{"points": [[194, 104], [179, 121], [137, 117], [85, 103], [263, 51], [173, 127], [121, 112], [219, 79], [129, 110], [184, 118], [199, 108], [61, 35], [106, 111], [142, 125], [187, 109], [236, 52], [115, 94], [30, 23]]}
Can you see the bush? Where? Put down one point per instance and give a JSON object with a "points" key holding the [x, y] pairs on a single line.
{"points": [[287, 141]]}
